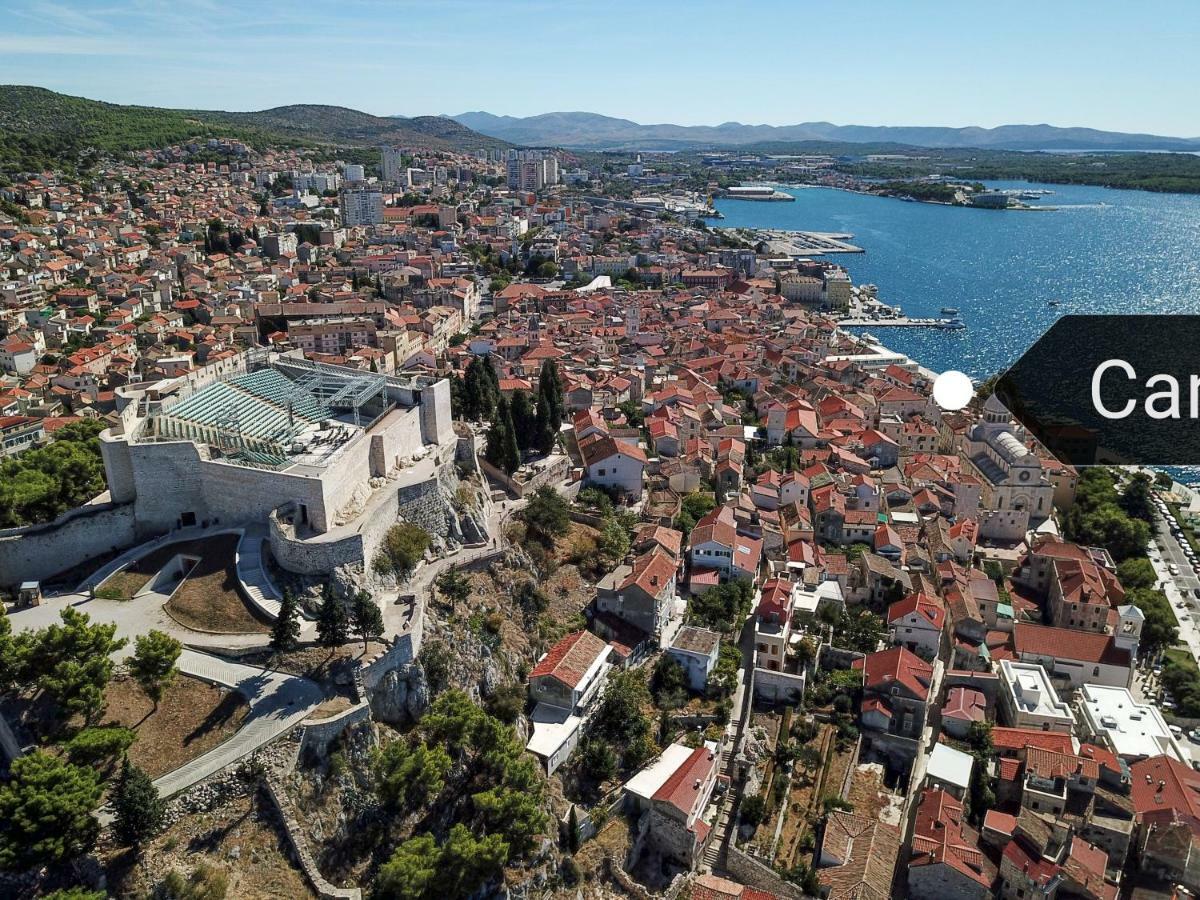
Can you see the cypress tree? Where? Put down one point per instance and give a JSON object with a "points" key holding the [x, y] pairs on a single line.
{"points": [[497, 437], [332, 629], [285, 633], [524, 421]]}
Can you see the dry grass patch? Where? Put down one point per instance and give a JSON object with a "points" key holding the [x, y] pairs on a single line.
{"points": [[260, 868], [193, 718], [209, 599]]}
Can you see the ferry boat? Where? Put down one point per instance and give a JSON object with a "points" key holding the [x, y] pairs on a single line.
{"points": [[949, 310]]}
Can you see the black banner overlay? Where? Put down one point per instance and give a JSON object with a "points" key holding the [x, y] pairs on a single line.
{"points": [[1112, 389]]}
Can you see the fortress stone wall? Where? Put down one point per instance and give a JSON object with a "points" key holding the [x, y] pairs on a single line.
{"points": [[36, 552]]}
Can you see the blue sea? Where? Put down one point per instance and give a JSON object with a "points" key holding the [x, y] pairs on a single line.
{"points": [[1098, 251]]}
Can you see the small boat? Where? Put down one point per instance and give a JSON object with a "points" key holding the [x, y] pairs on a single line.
{"points": [[949, 310], [1053, 302], [954, 324]]}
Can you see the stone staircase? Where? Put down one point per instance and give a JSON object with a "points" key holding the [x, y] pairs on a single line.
{"points": [[713, 852], [252, 573]]}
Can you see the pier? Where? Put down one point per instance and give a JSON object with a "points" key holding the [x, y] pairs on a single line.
{"points": [[950, 323], [799, 244]]}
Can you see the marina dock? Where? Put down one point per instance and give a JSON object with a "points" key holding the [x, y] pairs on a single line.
{"points": [[800, 244], [950, 323]]}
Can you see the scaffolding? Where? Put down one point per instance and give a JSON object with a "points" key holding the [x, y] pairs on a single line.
{"points": [[259, 415]]}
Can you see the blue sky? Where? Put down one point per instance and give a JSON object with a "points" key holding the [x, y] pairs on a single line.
{"points": [[1113, 65]]}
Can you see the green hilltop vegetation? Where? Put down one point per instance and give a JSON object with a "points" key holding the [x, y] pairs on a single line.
{"points": [[42, 129], [1163, 172]]}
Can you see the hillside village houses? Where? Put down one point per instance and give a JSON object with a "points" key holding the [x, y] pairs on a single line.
{"points": [[244, 344]]}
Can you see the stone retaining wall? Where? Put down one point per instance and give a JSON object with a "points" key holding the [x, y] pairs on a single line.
{"points": [[299, 844], [748, 870], [37, 552], [318, 734]]}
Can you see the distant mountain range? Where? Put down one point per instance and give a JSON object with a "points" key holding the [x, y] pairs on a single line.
{"points": [[40, 128], [590, 131]]}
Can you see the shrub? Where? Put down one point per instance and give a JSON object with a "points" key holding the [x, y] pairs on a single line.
{"points": [[93, 746], [403, 546], [547, 514], [753, 810]]}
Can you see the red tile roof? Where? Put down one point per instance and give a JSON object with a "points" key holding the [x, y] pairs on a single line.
{"points": [[1014, 740], [682, 789], [1165, 790], [896, 666], [1067, 643], [569, 659], [941, 836]]}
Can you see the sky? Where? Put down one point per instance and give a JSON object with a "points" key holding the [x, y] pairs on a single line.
{"points": [[1112, 65]]}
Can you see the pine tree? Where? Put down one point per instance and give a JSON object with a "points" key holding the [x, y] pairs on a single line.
{"points": [[332, 629], [137, 807], [285, 633]]}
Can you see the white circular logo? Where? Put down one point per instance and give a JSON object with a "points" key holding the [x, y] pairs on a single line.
{"points": [[952, 390]]}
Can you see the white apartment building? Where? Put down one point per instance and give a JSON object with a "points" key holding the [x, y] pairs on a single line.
{"points": [[362, 207], [1028, 700], [392, 164]]}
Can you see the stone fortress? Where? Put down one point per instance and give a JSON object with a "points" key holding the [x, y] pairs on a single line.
{"points": [[323, 458]]}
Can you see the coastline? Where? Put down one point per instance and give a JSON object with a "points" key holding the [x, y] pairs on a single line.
{"points": [[1024, 207]]}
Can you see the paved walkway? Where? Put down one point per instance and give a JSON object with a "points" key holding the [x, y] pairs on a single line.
{"points": [[277, 703], [398, 617]]}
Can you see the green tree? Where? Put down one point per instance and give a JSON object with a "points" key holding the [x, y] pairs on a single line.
{"points": [[614, 541], [573, 831], [1137, 500], [551, 406], [11, 656], [1137, 572], [1160, 628], [45, 482], [598, 759], [454, 586], [753, 809], [46, 812], [366, 618], [99, 745], [668, 682], [724, 606], [408, 775], [154, 663], [332, 627], [633, 412], [403, 546], [285, 632], [524, 421], [547, 514], [138, 810], [621, 718], [72, 661], [412, 871], [502, 450]]}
